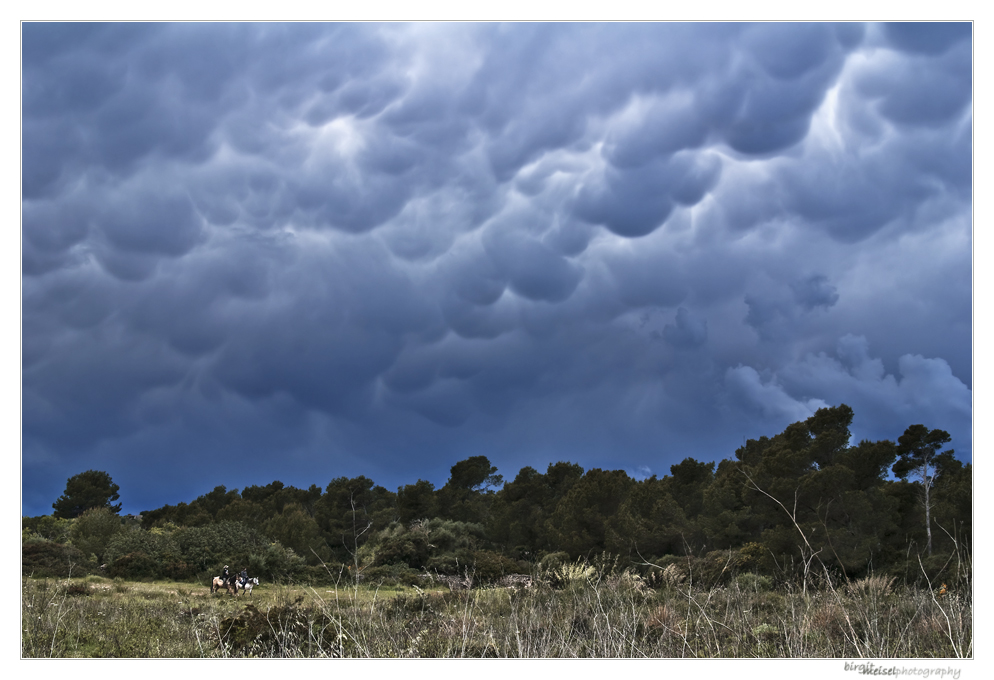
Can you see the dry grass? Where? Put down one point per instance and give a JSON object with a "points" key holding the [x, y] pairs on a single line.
{"points": [[588, 616]]}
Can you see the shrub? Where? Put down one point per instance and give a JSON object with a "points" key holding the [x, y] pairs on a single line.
{"points": [[92, 531], [49, 559], [279, 564], [754, 557], [49, 527], [135, 566], [449, 536], [553, 560], [156, 544], [211, 546], [180, 571], [753, 582], [411, 551], [398, 545], [447, 564], [715, 568], [281, 631], [77, 589], [489, 566]]}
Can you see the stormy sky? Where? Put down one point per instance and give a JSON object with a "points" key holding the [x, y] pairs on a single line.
{"points": [[305, 251]]}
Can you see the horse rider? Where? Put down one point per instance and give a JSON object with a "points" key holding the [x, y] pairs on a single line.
{"points": [[225, 576], [244, 576]]}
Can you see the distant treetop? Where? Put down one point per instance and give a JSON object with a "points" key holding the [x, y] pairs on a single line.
{"points": [[85, 491]]}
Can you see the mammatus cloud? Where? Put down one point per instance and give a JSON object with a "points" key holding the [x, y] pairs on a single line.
{"points": [[686, 331], [331, 250]]}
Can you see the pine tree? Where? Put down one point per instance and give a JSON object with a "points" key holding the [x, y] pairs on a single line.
{"points": [[919, 457], [87, 490]]}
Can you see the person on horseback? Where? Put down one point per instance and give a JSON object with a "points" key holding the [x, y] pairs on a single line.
{"points": [[225, 576], [244, 576]]}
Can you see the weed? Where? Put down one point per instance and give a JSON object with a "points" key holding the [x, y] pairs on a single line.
{"points": [[595, 615], [874, 587]]}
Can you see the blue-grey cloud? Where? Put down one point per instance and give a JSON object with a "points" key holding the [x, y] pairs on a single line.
{"points": [[815, 291], [686, 331], [378, 249], [928, 38]]}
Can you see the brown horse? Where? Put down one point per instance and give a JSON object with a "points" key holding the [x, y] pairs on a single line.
{"points": [[230, 584]]}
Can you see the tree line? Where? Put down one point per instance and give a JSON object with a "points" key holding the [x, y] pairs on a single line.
{"points": [[783, 504]]}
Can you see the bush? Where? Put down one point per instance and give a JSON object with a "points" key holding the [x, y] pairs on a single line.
{"points": [[77, 589], [49, 527], [49, 559], [554, 560], [278, 632], [490, 566], [180, 571], [449, 564], [754, 557], [214, 545], [716, 568], [754, 583], [134, 566], [158, 546], [281, 565], [92, 531], [398, 545], [449, 536]]}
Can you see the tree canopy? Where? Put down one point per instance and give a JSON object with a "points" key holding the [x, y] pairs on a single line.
{"points": [[85, 491], [780, 502]]}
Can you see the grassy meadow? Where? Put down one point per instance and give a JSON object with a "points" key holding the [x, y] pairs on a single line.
{"points": [[584, 615]]}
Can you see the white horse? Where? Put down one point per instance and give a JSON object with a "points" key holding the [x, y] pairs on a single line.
{"points": [[247, 587]]}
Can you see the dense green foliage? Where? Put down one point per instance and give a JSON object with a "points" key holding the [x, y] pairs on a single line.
{"points": [[802, 503], [85, 491], [92, 531], [40, 557]]}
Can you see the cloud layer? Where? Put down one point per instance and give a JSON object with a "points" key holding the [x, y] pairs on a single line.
{"points": [[256, 252]]}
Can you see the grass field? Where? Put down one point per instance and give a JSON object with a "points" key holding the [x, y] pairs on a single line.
{"points": [[588, 617]]}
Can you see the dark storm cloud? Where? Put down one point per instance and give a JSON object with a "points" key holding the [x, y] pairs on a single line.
{"points": [[686, 331], [926, 38], [333, 250], [534, 270], [921, 385], [636, 202], [815, 291]]}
